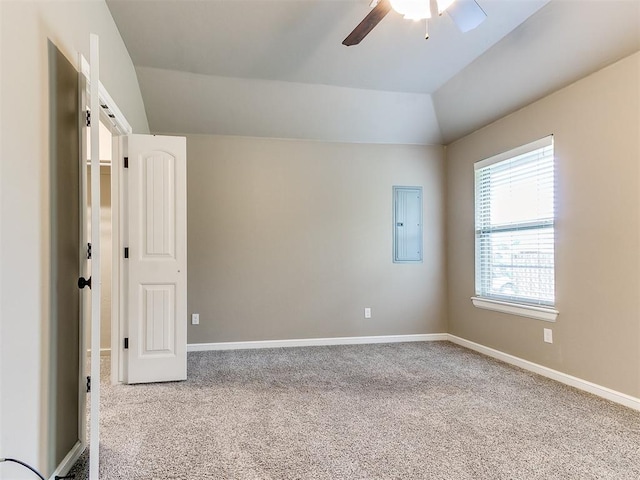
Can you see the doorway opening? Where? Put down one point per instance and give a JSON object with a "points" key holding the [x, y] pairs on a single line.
{"points": [[106, 235], [99, 117]]}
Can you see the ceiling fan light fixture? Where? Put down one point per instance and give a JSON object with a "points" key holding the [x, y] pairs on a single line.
{"points": [[412, 9]]}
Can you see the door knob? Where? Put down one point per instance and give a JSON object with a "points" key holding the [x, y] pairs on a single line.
{"points": [[82, 282]]}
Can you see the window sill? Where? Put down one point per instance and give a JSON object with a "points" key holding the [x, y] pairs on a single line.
{"points": [[547, 314]]}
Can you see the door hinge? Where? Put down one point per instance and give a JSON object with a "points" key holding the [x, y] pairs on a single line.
{"points": [[126, 252], [88, 384], [88, 251], [126, 343], [126, 162], [87, 117]]}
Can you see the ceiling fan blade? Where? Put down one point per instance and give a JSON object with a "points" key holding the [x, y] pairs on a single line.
{"points": [[466, 14], [370, 21]]}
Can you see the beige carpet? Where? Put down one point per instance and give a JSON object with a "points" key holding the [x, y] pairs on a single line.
{"points": [[401, 411]]}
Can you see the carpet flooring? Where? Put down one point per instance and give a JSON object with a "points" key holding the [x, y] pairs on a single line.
{"points": [[400, 411]]}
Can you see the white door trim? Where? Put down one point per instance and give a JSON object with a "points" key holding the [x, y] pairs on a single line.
{"points": [[116, 260], [119, 126], [118, 120]]}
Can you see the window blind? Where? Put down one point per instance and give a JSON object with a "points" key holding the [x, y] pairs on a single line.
{"points": [[514, 229]]}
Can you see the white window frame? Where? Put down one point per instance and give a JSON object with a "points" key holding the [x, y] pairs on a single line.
{"points": [[509, 306]]}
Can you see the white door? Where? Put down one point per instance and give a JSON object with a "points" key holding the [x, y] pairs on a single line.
{"points": [[94, 439], [85, 254], [156, 267]]}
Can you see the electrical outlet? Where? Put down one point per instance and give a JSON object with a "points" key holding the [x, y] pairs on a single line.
{"points": [[195, 319], [367, 312], [548, 335]]}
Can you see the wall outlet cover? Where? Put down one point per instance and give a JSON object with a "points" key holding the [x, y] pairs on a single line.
{"points": [[367, 312], [195, 319], [548, 335]]}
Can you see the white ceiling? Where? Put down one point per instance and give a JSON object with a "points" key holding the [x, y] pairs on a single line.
{"points": [[277, 67]]}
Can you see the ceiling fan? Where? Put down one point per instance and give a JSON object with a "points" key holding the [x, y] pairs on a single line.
{"points": [[466, 14]]}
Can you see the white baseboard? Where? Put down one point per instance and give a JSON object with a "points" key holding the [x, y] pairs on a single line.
{"points": [[315, 342], [580, 384], [68, 461]]}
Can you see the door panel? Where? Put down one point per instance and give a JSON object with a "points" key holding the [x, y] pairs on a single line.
{"points": [[156, 270], [158, 319], [158, 211]]}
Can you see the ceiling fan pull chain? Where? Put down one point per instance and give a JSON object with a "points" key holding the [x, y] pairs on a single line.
{"points": [[426, 32]]}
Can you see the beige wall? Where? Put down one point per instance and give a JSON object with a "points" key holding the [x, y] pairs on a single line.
{"points": [[292, 239], [25, 28], [595, 123]]}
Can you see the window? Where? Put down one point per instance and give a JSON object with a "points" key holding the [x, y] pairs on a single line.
{"points": [[515, 231]]}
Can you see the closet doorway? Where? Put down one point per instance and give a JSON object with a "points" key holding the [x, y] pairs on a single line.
{"points": [[106, 235]]}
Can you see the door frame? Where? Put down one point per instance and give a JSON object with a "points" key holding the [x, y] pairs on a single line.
{"points": [[118, 231], [113, 118]]}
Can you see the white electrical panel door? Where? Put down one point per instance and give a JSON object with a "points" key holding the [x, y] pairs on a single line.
{"points": [[156, 267], [407, 217]]}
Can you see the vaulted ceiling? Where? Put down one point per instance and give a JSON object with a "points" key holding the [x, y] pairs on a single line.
{"points": [[277, 68]]}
